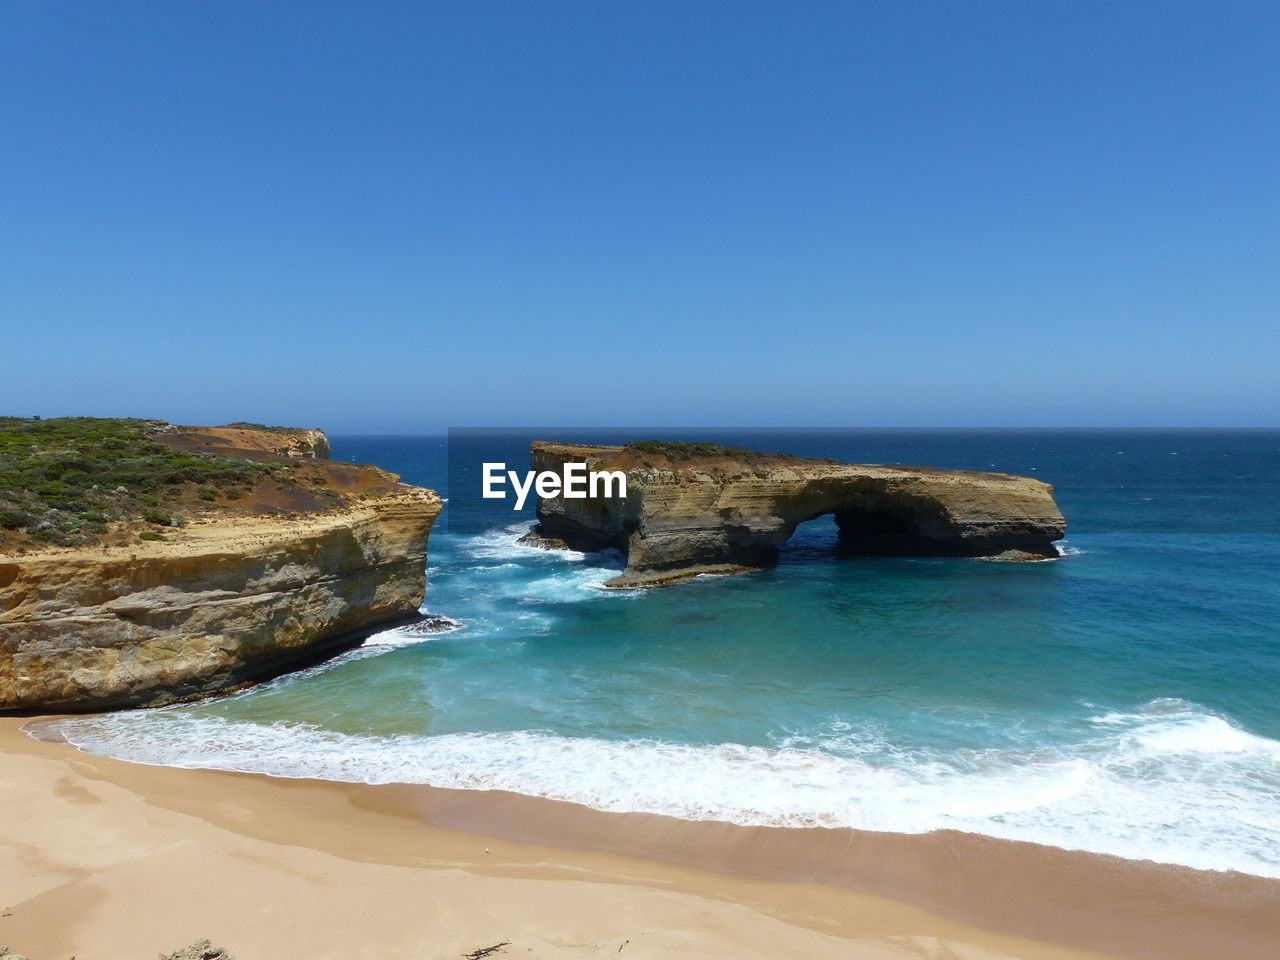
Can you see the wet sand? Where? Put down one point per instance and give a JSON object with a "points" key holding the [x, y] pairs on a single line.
{"points": [[106, 860]]}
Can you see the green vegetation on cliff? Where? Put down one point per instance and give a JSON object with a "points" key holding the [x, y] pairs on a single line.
{"points": [[63, 480], [247, 425]]}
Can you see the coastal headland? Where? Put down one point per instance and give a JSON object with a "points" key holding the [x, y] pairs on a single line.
{"points": [[143, 563], [695, 508]]}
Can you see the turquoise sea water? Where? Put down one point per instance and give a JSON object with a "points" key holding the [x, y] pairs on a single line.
{"points": [[1123, 699]]}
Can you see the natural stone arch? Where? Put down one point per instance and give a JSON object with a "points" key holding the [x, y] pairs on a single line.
{"points": [[721, 510]]}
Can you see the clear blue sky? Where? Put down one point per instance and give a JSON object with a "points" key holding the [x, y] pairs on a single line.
{"points": [[399, 217]]}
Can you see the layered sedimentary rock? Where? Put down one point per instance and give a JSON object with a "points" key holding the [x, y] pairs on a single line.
{"points": [[275, 577], [693, 509]]}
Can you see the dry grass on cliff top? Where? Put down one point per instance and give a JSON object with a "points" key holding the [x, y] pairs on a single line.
{"points": [[703, 455], [678, 455], [74, 481], [717, 458]]}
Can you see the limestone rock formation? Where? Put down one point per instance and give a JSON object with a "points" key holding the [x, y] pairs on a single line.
{"points": [[699, 508], [301, 562]]}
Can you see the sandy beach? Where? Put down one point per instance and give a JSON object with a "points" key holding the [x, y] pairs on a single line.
{"points": [[105, 860]]}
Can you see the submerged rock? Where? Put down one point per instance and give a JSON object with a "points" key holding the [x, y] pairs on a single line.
{"points": [[535, 539], [429, 626]]}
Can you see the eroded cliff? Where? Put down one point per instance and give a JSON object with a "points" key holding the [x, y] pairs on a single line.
{"points": [[240, 583], [698, 508]]}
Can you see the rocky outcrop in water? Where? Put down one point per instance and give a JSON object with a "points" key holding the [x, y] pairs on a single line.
{"points": [[239, 586], [700, 508]]}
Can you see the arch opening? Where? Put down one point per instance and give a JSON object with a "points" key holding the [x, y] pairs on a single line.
{"points": [[876, 533], [813, 540], [854, 531]]}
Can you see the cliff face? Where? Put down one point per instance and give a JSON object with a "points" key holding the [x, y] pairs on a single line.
{"points": [[728, 510], [277, 575]]}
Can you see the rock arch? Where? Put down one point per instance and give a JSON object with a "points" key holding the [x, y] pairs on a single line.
{"points": [[697, 508]]}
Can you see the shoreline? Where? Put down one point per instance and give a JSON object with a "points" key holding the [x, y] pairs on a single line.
{"points": [[1100, 902], [805, 891]]}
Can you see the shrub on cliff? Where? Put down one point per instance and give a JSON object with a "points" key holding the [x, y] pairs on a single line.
{"points": [[66, 478], [246, 425]]}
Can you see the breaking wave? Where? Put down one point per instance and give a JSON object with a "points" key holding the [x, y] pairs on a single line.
{"points": [[1169, 782]]}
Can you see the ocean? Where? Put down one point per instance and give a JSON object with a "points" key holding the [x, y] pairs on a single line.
{"points": [[1122, 699]]}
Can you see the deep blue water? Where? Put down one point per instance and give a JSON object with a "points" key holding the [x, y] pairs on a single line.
{"points": [[1122, 699]]}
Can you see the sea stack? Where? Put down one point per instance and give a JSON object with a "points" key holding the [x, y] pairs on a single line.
{"points": [[231, 554], [694, 508]]}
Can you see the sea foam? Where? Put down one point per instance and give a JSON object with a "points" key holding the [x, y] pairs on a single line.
{"points": [[1169, 782]]}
